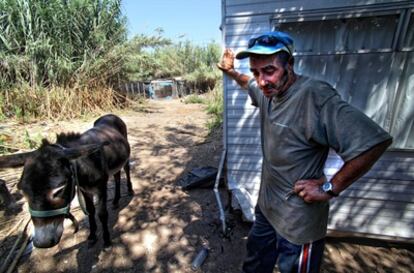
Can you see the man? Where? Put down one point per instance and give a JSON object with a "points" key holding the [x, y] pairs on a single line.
{"points": [[301, 119]]}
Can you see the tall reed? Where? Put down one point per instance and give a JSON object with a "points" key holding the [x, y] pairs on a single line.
{"points": [[59, 56]]}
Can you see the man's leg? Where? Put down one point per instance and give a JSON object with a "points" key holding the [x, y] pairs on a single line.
{"points": [[305, 258], [261, 246]]}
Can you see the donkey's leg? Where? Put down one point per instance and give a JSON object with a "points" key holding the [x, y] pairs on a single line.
{"points": [[128, 177], [103, 212], [90, 208], [117, 178]]}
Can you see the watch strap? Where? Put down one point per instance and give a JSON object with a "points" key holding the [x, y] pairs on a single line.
{"points": [[329, 189], [333, 194]]}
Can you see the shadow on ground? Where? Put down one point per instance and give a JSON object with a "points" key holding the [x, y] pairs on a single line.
{"points": [[161, 228]]}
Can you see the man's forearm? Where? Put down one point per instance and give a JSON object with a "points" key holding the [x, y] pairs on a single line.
{"points": [[240, 78], [357, 167], [226, 65]]}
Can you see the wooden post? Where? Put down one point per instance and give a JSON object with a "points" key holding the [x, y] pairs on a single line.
{"points": [[127, 89], [6, 198]]}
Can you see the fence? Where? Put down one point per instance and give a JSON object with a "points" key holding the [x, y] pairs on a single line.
{"points": [[134, 89], [156, 89]]}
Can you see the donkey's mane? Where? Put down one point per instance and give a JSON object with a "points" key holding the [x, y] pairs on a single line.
{"points": [[65, 138]]}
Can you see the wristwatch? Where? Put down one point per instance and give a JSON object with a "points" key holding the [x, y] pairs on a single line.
{"points": [[327, 187]]}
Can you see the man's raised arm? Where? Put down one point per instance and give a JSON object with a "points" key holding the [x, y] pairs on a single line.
{"points": [[226, 65]]}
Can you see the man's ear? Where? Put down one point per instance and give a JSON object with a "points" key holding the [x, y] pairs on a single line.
{"points": [[291, 61]]}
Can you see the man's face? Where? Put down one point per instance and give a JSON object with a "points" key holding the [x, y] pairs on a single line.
{"points": [[269, 74]]}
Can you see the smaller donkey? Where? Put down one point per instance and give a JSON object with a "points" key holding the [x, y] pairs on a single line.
{"points": [[81, 162]]}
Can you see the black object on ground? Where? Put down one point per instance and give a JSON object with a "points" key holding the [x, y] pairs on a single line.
{"points": [[199, 259], [203, 177]]}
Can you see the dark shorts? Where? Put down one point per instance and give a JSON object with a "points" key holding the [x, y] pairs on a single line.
{"points": [[265, 247]]}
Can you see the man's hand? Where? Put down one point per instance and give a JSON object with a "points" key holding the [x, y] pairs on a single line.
{"points": [[227, 60], [310, 190], [226, 65]]}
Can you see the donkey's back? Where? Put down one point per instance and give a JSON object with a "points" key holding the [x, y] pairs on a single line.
{"points": [[112, 121], [111, 129]]}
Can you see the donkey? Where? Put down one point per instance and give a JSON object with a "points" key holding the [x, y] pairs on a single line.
{"points": [[76, 161]]}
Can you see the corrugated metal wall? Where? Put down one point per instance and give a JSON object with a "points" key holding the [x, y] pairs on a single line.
{"points": [[380, 82]]}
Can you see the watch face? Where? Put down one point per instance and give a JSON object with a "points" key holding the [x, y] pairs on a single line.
{"points": [[327, 186]]}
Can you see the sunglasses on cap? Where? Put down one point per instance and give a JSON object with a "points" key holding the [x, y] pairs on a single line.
{"points": [[267, 40]]}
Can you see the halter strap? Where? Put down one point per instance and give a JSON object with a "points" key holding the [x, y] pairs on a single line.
{"points": [[49, 213]]}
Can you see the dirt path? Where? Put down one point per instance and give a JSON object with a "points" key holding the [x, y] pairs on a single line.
{"points": [[161, 228]]}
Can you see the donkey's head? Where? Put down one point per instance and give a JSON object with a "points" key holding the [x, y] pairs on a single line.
{"points": [[48, 184]]}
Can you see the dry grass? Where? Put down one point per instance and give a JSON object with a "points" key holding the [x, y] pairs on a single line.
{"points": [[57, 103], [30, 106]]}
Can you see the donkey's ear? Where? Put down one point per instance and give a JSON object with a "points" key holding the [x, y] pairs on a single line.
{"points": [[14, 160], [81, 151]]}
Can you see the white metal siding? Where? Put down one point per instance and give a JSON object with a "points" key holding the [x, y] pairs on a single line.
{"points": [[380, 203]]}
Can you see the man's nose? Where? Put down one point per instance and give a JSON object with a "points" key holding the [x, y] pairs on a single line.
{"points": [[262, 80]]}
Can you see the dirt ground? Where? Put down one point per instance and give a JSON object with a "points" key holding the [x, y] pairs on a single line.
{"points": [[161, 228]]}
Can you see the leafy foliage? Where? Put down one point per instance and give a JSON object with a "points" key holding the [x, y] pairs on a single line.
{"points": [[195, 64], [140, 63]]}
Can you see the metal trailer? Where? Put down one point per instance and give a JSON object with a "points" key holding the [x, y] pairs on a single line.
{"points": [[163, 89], [365, 49]]}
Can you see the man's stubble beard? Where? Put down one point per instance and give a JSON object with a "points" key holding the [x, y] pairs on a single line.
{"points": [[278, 87]]}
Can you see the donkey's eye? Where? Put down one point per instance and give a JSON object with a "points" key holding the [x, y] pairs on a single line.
{"points": [[58, 191]]}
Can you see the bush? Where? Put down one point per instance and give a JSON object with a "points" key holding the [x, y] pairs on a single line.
{"points": [[213, 100], [215, 107], [194, 98]]}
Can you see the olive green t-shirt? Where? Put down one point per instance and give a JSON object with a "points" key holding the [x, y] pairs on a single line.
{"points": [[297, 131]]}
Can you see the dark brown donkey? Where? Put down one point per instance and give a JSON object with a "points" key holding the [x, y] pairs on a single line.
{"points": [[81, 162]]}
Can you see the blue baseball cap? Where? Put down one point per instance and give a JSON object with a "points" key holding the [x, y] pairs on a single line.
{"points": [[267, 44]]}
